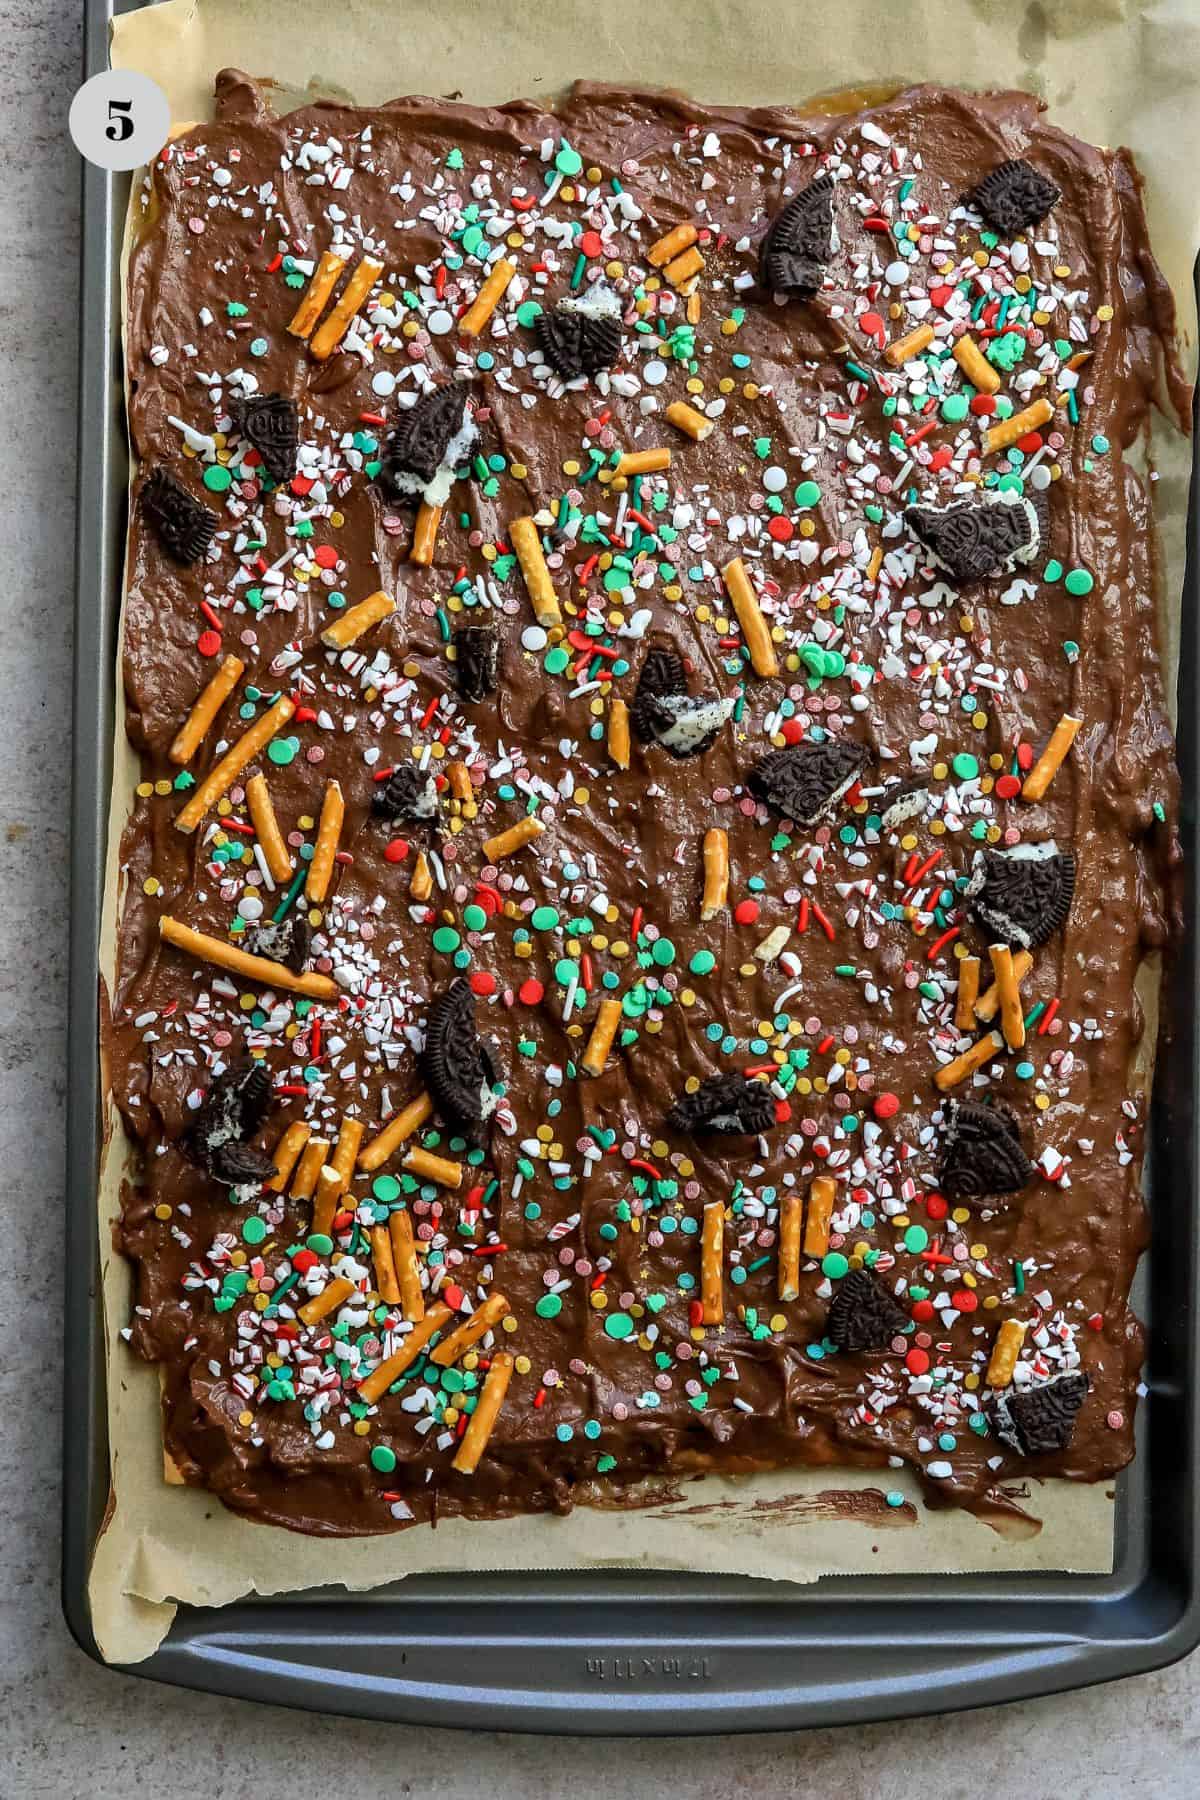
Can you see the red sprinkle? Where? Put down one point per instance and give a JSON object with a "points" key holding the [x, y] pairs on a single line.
{"points": [[886, 1106], [483, 983], [530, 992], [947, 937], [208, 643], [396, 851], [746, 911], [917, 1362], [1007, 787]]}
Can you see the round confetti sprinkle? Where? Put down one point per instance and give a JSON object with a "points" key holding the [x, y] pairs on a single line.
{"points": [[549, 1306], [217, 478], [283, 750], [618, 1325], [383, 1459], [1079, 582]]}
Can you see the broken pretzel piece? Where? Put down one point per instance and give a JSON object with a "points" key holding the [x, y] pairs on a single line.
{"points": [[328, 336], [212, 698]]}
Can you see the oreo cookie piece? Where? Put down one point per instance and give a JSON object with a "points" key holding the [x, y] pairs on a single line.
{"points": [[429, 442], [685, 726], [981, 1152], [800, 241], [805, 781], [409, 795], [975, 539], [1039, 1420], [582, 335], [458, 1070], [1022, 896], [269, 423], [285, 941], [240, 1165], [728, 1104], [864, 1314], [901, 804], [662, 674], [1014, 196], [233, 1109], [476, 657], [182, 525]]}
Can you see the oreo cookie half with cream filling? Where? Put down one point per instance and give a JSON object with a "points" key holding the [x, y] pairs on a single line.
{"points": [[901, 804], [233, 1109], [726, 1104], [805, 781], [429, 443], [582, 336], [409, 795], [664, 713], [976, 538], [1022, 896], [455, 1062], [1039, 1420], [864, 1314]]}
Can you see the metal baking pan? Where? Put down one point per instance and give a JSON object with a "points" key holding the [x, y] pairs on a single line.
{"points": [[620, 1652]]}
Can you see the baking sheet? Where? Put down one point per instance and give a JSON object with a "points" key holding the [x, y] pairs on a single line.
{"points": [[1113, 72]]}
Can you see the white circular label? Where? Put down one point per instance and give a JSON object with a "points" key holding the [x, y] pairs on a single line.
{"points": [[119, 119]]}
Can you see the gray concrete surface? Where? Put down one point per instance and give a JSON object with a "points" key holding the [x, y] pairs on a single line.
{"points": [[68, 1728]]}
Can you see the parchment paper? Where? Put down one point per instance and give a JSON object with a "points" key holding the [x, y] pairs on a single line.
{"points": [[1112, 71]]}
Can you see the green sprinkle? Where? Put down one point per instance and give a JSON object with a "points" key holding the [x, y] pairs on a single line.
{"points": [[808, 493], [1053, 570], [618, 1325], [702, 963], [1079, 582], [549, 1306], [965, 767], [254, 1230], [283, 750], [835, 1265], [383, 1459], [446, 939], [217, 478], [916, 1239]]}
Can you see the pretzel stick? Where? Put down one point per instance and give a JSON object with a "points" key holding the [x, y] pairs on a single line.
{"points": [[326, 1200], [331, 1296], [410, 1118], [259, 969], [425, 532], [975, 365], [693, 424], [644, 462], [682, 267], [470, 1331], [988, 1005], [350, 1134], [968, 993], [266, 826], [789, 1246], [608, 1017], [691, 311], [404, 1259], [526, 540], [483, 1419], [326, 339], [212, 698], [286, 1153], [434, 1168], [321, 284], [1048, 763], [224, 773], [462, 788], [380, 1380], [763, 659], [712, 1263], [311, 1163], [385, 1268], [515, 838], [618, 732], [329, 831], [488, 298], [1005, 1352], [716, 874], [905, 348], [421, 883], [668, 248], [999, 437], [1011, 1021], [822, 1193], [951, 1073], [350, 626]]}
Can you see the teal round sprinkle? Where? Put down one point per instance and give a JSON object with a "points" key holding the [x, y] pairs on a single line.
{"points": [[527, 312], [618, 1325], [320, 1243], [544, 918], [947, 1441], [568, 161], [217, 478], [1024, 1071], [259, 347], [965, 767], [591, 1429], [485, 360], [808, 493], [737, 1275], [1053, 570], [556, 660], [337, 601], [474, 918], [532, 1210], [663, 952], [916, 1239], [1100, 444], [446, 939], [383, 1459], [955, 408], [549, 1306], [894, 1498], [254, 1230], [283, 750], [1079, 582], [703, 963], [835, 1265], [564, 1433]]}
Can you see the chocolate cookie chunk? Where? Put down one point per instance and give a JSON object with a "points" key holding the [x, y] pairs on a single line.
{"points": [[182, 525], [409, 795], [476, 657], [1014, 196], [269, 423], [864, 1314], [233, 1109], [687, 726], [458, 1070], [901, 804], [429, 442], [286, 941], [1037, 1421], [582, 335], [805, 781], [975, 539], [1022, 896], [238, 1165], [662, 673], [800, 241], [725, 1103], [981, 1152]]}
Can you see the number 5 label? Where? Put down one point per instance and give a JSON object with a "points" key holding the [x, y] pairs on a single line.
{"points": [[119, 119]]}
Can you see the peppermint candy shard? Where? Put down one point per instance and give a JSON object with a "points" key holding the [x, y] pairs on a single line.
{"points": [[409, 794], [806, 781], [1038, 1421], [457, 1067], [975, 539], [183, 526], [725, 1104], [1014, 196], [270, 424], [864, 1314], [1022, 896], [800, 241], [981, 1152], [429, 443]]}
